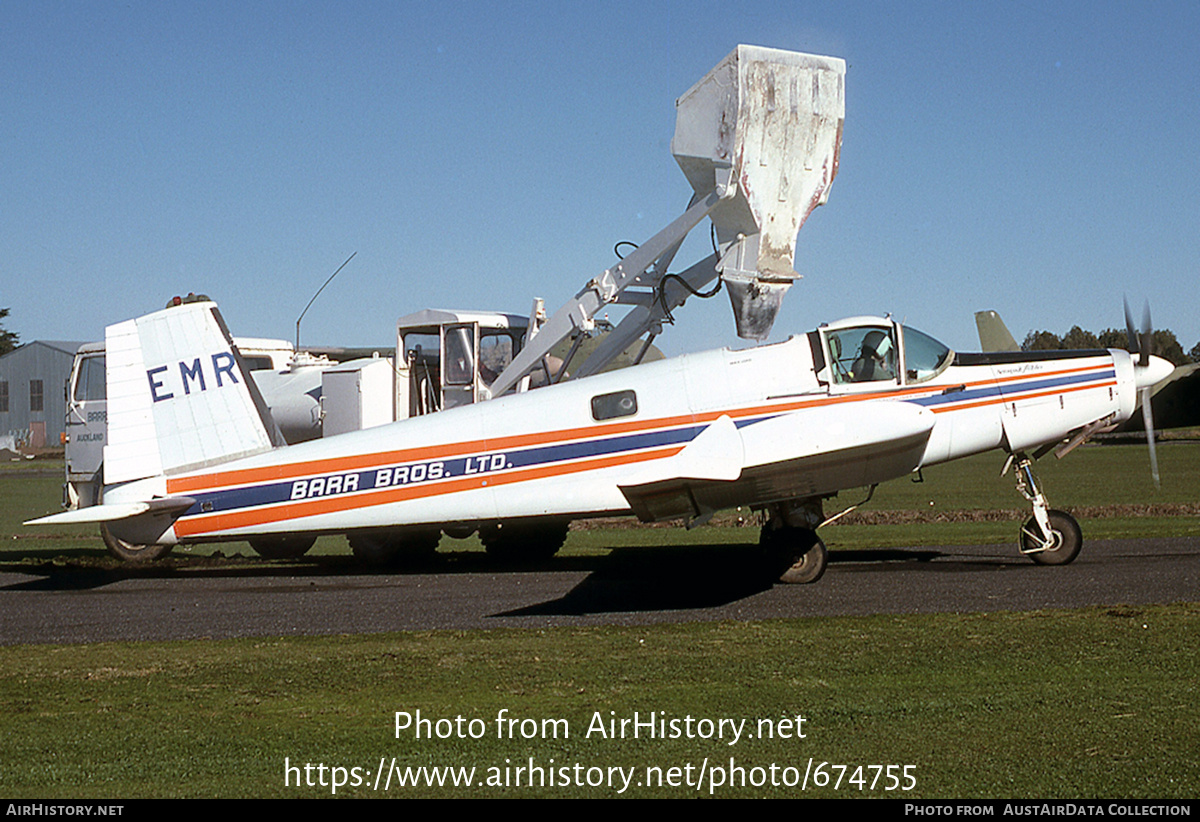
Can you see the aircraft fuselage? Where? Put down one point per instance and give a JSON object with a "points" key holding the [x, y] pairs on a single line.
{"points": [[677, 438]]}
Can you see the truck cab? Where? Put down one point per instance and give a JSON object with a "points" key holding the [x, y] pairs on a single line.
{"points": [[450, 358]]}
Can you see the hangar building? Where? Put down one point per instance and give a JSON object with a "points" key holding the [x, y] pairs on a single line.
{"points": [[33, 395]]}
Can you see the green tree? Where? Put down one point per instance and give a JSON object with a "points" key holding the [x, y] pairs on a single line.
{"points": [[1078, 340], [1114, 338], [1041, 341], [8, 339], [1166, 346], [1164, 343]]}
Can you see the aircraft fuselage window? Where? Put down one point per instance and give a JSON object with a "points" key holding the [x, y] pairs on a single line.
{"points": [[617, 404]]}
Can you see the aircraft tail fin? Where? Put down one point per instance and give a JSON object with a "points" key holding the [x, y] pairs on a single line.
{"points": [[993, 333], [179, 396]]}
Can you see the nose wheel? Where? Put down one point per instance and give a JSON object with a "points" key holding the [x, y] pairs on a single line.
{"points": [[1049, 537], [1059, 547]]}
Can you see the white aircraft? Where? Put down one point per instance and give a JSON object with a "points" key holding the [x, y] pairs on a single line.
{"points": [[782, 427]]}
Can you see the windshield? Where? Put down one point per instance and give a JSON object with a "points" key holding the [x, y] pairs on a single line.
{"points": [[90, 379], [496, 350], [460, 355], [924, 357]]}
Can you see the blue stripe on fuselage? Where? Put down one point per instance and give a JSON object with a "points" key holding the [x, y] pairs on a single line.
{"points": [[424, 471], [1012, 390]]}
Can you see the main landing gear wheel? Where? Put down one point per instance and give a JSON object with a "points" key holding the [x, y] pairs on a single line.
{"points": [[386, 548], [515, 542], [797, 555], [131, 551], [282, 547], [1066, 539]]}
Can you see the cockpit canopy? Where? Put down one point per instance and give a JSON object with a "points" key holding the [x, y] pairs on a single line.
{"points": [[875, 350]]}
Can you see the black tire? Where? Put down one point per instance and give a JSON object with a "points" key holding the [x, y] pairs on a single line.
{"points": [[131, 551], [387, 547], [514, 542], [1067, 536], [796, 556], [282, 547]]}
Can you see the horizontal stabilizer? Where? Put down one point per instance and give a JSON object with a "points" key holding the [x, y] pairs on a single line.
{"points": [[116, 511]]}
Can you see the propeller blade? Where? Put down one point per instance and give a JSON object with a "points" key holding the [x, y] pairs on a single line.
{"points": [[1141, 342], [1148, 417], [1147, 340], [1131, 335]]}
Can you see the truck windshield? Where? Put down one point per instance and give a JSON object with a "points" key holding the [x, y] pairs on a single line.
{"points": [[496, 349], [460, 356], [89, 380]]}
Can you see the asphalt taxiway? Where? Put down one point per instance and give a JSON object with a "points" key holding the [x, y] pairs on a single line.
{"points": [[627, 587]]}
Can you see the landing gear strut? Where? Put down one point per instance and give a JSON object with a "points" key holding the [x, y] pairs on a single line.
{"points": [[1050, 537]]}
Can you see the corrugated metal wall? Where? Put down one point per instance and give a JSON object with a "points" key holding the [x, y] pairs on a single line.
{"points": [[47, 362]]}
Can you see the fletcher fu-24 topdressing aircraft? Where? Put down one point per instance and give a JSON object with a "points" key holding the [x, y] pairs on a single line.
{"points": [[194, 456], [779, 427]]}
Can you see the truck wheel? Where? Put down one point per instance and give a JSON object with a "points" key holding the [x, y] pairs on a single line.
{"points": [[385, 548], [282, 547], [132, 552], [523, 542]]}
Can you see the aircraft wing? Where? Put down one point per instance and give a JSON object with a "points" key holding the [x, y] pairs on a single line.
{"points": [[804, 452]]}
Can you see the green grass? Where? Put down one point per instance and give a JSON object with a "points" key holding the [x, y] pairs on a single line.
{"points": [[1091, 475], [1092, 703]]}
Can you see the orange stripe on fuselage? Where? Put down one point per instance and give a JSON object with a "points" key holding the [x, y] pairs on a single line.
{"points": [[250, 476], [215, 523]]}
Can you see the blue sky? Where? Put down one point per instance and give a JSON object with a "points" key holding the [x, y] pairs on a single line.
{"points": [[1039, 159]]}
